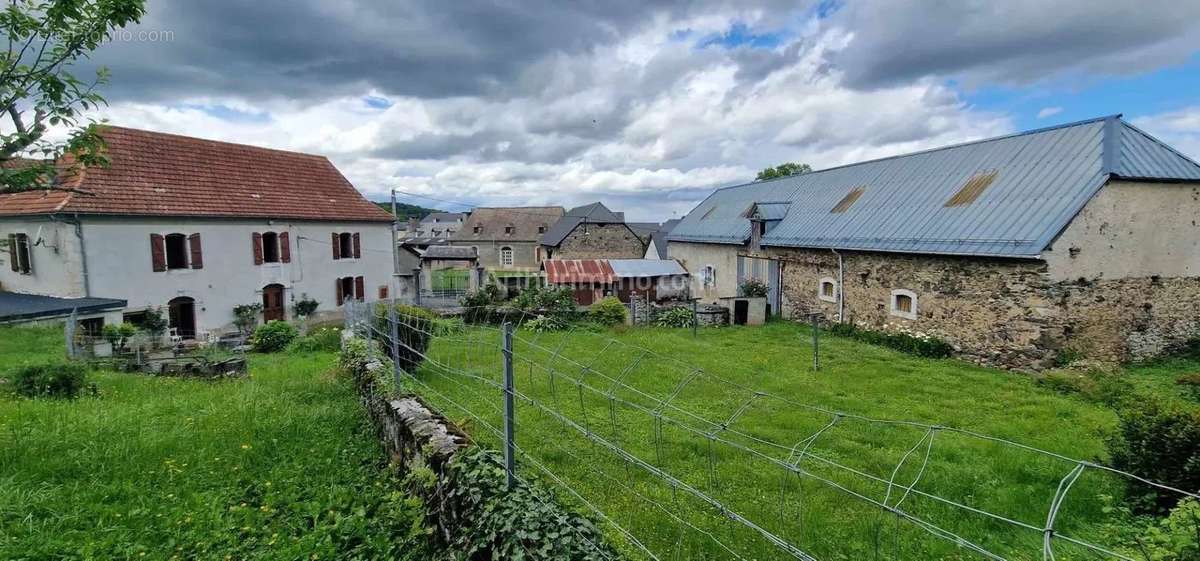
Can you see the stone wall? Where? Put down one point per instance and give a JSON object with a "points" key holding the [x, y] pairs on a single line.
{"points": [[600, 241], [1001, 312]]}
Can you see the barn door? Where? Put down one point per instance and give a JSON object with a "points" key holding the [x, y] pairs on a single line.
{"points": [[765, 271]]}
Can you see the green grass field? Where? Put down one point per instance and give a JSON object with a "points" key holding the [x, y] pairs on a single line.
{"points": [[575, 375], [282, 465]]}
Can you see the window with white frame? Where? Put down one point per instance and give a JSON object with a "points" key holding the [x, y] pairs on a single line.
{"points": [[506, 256], [827, 290], [904, 304], [708, 276]]}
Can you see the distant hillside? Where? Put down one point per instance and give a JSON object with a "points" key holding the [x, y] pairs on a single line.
{"points": [[407, 211]]}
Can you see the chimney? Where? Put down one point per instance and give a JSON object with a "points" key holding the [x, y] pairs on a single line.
{"points": [[413, 225]]}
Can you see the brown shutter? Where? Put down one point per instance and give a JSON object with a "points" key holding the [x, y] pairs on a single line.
{"points": [[383, 293], [357, 247], [359, 290], [12, 252], [340, 296], [256, 247], [158, 253], [337, 246], [196, 250], [285, 248]]}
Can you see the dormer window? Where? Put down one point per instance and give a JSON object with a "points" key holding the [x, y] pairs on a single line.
{"points": [[477, 229], [508, 229], [541, 229]]}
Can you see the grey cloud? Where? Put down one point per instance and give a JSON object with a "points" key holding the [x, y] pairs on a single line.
{"points": [[1015, 42]]}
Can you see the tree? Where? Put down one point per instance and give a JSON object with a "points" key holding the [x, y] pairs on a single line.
{"points": [[38, 91], [783, 170]]}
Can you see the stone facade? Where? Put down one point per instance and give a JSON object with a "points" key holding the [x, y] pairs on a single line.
{"points": [[1002, 312], [599, 241]]}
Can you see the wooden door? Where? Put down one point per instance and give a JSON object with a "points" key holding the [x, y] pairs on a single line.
{"points": [[273, 308]]}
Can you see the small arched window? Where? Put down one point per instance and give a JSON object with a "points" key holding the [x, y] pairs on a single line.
{"points": [[904, 304], [506, 256], [827, 290]]}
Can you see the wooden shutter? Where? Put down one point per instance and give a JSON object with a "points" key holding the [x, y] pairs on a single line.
{"points": [[357, 247], [158, 253], [12, 252], [196, 251], [337, 246], [383, 293], [256, 247], [360, 292], [340, 297], [285, 248]]}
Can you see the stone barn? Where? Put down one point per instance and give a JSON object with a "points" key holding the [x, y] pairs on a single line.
{"points": [[1075, 241]]}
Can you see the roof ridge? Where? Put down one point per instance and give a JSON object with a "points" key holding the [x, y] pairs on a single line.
{"points": [[214, 141], [1159, 142], [1117, 116]]}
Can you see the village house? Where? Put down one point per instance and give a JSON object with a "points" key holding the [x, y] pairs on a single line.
{"points": [[195, 227], [1075, 241], [592, 232], [505, 240]]}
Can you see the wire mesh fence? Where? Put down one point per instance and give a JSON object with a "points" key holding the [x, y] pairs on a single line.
{"points": [[680, 462]]}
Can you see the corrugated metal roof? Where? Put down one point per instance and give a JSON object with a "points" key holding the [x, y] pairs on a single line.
{"points": [[16, 306], [772, 211], [1043, 179], [644, 268], [571, 271]]}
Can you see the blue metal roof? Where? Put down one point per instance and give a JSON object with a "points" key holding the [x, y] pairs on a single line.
{"points": [[630, 268], [1043, 178], [15, 306], [772, 211]]}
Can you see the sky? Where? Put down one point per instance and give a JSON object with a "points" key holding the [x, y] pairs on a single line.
{"points": [[645, 105]]}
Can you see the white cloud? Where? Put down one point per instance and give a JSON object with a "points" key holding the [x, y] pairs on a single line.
{"points": [[1049, 112], [1180, 129], [649, 124]]}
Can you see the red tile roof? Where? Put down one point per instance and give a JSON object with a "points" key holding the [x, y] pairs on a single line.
{"points": [[158, 174], [573, 271]]}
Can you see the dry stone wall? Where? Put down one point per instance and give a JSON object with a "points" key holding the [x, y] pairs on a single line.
{"points": [[1001, 312]]}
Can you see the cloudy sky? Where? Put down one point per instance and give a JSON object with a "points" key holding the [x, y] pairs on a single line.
{"points": [[646, 105]]}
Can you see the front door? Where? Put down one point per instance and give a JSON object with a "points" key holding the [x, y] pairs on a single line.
{"points": [[181, 316], [273, 308]]}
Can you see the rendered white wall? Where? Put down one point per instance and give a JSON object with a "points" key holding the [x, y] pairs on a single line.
{"points": [[695, 256], [57, 267], [120, 266]]}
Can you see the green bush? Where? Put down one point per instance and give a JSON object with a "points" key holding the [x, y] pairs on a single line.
{"points": [[546, 300], [1176, 537], [928, 347], [273, 336], [545, 324], [321, 339], [677, 316], [1158, 441], [56, 379], [118, 335], [609, 311], [353, 360], [414, 328], [245, 317], [754, 288], [485, 520], [305, 307], [1190, 384]]}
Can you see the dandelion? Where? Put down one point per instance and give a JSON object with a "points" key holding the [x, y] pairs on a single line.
{"points": [[245, 447]]}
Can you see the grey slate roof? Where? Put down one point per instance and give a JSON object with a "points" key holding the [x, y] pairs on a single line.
{"points": [[659, 238], [646, 268], [493, 222], [1043, 179], [594, 213], [443, 218], [456, 252], [15, 306]]}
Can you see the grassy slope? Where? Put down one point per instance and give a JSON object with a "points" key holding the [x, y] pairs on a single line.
{"points": [[854, 378], [278, 466]]}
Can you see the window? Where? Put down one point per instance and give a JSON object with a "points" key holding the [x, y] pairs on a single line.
{"points": [[383, 292], [508, 229], [904, 304], [541, 229], [477, 229], [177, 251], [270, 247], [92, 327], [506, 256], [19, 254], [346, 245], [708, 276], [350, 288], [828, 290]]}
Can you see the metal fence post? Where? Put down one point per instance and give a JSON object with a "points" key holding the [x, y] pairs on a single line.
{"points": [[695, 319], [394, 333], [509, 408], [816, 343]]}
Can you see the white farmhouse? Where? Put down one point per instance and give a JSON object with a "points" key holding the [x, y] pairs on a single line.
{"points": [[195, 227]]}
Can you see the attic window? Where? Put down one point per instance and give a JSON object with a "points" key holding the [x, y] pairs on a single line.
{"points": [[972, 189], [508, 229], [477, 229], [541, 229], [846, 202]]}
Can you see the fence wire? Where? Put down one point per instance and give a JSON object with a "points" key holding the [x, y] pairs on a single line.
{"points": [[707, 455]]}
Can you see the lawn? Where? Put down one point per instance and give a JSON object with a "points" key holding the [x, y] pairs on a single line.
{"points": [[727, 442], [282, 465]]}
